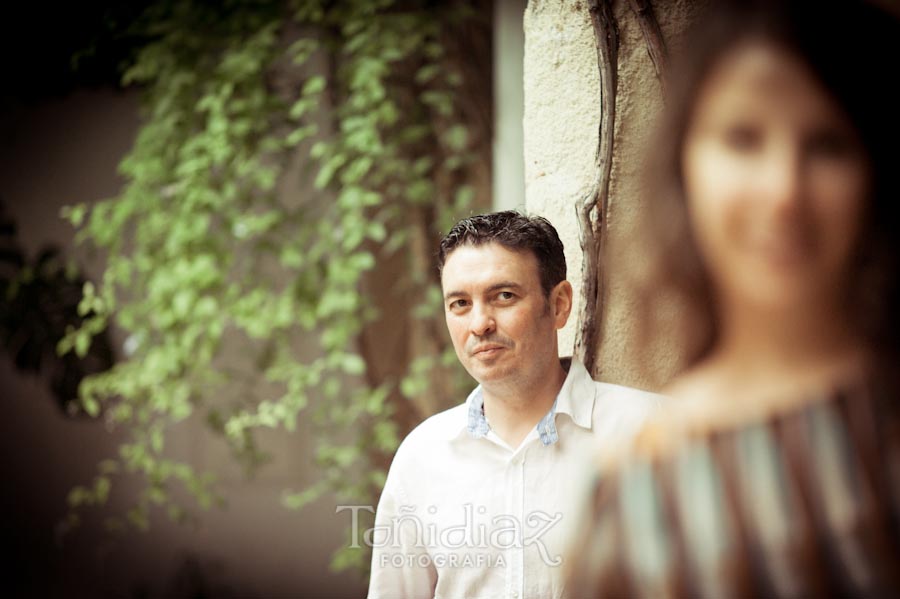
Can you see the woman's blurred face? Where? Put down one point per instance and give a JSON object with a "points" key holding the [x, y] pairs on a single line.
{"points": [[776, 181]]}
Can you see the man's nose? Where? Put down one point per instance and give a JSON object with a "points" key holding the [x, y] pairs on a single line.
{"points": [[482, 321]]}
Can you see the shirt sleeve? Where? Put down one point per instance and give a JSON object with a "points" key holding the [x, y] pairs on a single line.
{"points": [[401, 565]]}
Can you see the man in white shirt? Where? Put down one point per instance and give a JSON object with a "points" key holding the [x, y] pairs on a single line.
{"points": [[477, 497]]}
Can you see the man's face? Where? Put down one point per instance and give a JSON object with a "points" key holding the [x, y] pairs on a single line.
{"points": [[502, 326]]}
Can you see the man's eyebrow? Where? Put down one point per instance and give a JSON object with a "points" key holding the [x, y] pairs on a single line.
{"points": [[495, 287], [504, 285], [452, 294]]}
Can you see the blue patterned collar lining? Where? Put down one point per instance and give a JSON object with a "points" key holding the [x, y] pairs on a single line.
{"points": [[479, 426]]}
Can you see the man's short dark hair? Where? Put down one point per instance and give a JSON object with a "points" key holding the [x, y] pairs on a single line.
{"points": [[516, 232]]}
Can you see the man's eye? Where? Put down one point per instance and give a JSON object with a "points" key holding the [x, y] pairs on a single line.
{"points": [[505, 295], [458, 304]]}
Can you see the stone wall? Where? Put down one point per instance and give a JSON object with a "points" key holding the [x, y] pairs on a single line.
{"points": [[561, 127]]}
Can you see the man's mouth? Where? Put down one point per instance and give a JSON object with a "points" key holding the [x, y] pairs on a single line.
{"points": [[487, 350]]}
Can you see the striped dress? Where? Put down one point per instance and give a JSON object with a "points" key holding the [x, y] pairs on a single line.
{"points": [[803, 504]]}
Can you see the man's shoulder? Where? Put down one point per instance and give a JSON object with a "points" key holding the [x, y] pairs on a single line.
{"points": [[436, 429], [620, 411], [610, 395], [612, 392], [426, 445]]}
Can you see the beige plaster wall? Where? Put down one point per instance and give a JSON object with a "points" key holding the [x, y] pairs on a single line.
{"points": [[561, 127]]}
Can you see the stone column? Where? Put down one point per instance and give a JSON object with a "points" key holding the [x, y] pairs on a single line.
{"points": [[561, 128]]}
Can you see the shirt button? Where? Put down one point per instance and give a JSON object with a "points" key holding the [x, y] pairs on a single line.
{"points": [[515, 593]]}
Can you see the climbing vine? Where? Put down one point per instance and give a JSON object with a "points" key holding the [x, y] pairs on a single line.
{"points": [[289, 152], [593, 209]]}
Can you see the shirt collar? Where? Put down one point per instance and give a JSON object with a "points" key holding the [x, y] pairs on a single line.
{"points": [[575, 398], [477, 424]]}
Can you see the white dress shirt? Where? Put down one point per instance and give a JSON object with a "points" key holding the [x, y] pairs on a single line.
{"points": [[463, 514]]}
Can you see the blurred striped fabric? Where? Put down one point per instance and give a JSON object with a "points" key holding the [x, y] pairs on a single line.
{"points": [[805, 504]]}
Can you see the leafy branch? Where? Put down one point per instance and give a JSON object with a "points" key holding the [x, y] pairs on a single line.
{"points": [[212, 252]]}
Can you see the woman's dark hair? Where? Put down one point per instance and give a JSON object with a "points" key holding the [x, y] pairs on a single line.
{"points": [[850, 48]]}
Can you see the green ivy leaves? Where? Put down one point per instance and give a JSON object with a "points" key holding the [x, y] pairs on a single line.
{"points": [[207, 255]]}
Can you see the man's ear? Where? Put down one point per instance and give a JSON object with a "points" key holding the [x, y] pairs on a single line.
{"points": [[561, 303]]}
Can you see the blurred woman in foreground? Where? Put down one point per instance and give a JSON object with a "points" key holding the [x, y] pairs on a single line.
{"points": [[775, 467]]}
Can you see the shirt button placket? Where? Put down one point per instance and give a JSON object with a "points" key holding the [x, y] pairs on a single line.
{"points": [[518, 562]]}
